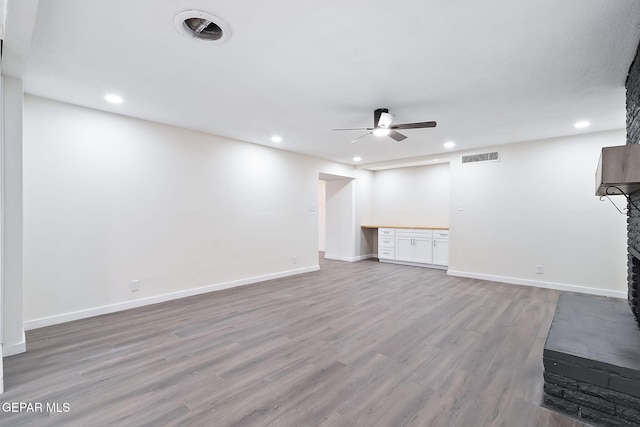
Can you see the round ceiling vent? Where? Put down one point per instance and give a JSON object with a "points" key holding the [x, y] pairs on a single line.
{"points": [[202, 25]]}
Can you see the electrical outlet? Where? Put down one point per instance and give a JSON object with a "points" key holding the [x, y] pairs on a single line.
{"points": [[539, 269], [134, 285], [294, 259]]}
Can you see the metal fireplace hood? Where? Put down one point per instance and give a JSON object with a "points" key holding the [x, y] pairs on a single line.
{"points": [[618, 170]]}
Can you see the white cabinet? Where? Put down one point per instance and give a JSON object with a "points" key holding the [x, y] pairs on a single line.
{"points": [[386, 243], [414, 245], [441, 247]]}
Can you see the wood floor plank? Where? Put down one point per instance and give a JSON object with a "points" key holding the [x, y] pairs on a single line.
{"points": [[354, 344]]}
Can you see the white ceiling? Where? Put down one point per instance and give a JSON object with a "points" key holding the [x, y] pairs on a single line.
{"points": [[489, 72]]}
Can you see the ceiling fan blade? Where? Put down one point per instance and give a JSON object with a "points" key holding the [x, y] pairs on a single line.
{"points": [[355, 129], [414, 125], [397, 136], [361, 136]]}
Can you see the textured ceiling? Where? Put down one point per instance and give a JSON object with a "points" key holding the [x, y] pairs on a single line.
{"points": [[489, 72]]}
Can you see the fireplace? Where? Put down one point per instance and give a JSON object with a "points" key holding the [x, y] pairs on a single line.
{"points": [[633, 220], [592, 354], [634, 281], [633, 263]]}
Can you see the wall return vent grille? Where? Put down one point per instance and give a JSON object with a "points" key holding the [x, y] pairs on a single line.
{"points": [[493, 156]]}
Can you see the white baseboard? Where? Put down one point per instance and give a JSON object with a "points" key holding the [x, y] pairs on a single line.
{"points": [[337, 257], [348, 259], [112, 308], [413, 264], [17, 348], [540, 284], [363, 257]]}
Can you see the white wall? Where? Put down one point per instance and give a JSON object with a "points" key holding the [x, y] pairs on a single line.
{"points": [[409, 196], [108, 199], [322, 215], [13, 332], [2, 138], [536, 206]]}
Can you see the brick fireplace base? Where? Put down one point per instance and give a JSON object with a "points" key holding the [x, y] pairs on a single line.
{"points": [[592, 361]]}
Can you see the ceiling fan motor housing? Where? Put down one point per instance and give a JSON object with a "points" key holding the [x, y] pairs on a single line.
{"points": [[376, 115]]}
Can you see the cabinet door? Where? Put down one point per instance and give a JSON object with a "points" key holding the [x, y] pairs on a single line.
{"points": [[441, 252], [423, 250], [404, 248]]}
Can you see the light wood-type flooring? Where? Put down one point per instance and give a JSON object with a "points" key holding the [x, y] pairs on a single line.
{"points": [[354, 344]]}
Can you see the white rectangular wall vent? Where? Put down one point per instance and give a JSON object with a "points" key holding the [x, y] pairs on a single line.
{"points": [[493, 156]]}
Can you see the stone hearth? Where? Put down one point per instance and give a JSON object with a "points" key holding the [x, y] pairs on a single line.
{"points": [[592, 361]]}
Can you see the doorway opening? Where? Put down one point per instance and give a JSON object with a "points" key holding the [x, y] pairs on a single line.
{"points": [[336, 217]]}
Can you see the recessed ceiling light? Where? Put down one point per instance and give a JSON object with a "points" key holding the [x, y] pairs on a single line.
{"points": [[357, 158], [449, 144], [277, 139], [113, 98], [582, 124], [381, 132], [202, 26]]}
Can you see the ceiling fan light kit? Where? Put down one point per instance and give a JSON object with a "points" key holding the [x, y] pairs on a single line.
{"points": [[385, 119], [382, 126]]}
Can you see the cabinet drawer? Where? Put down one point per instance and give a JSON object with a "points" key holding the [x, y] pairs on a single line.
{"points": [[411, 232], [441, 234], [386, 242], [386, 253], [386, 232]]}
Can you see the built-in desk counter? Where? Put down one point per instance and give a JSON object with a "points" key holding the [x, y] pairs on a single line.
{"points": [[413, 245]]}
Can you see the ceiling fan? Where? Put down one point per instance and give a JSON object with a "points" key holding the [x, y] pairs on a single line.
{"points": [[382, 126]]}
